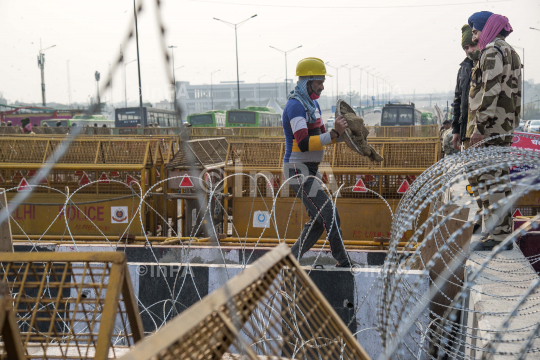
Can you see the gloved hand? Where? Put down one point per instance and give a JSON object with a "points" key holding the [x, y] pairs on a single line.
{"points": [[356, 133]]}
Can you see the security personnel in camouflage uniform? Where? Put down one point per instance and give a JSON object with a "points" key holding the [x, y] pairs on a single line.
{"points": [[494, 106]]}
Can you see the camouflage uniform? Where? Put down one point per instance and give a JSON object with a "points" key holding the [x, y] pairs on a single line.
{"points": [[447, 144], [494, 107]]}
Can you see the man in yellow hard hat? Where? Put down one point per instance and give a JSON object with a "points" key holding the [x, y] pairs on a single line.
{"points": [[305, 138]]}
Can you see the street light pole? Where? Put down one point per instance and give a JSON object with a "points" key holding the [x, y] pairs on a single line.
{"points": [[173, 75], [350, 88], [364, 68], [41, 65], [211, 84], [139, 66], [337, 79], [236, 26], [286, 75]]}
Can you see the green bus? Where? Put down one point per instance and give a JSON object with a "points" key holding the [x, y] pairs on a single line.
{"points": [[427, 118], [253, 116], [212, 118], [81, 120]]}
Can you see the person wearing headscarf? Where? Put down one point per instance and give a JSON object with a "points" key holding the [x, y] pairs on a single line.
{"points": [[461, 103], [494, 110], [305, 138], [461, 93]]}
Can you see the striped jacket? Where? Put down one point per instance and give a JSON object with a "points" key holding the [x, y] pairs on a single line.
{"points": [[304, 142]]}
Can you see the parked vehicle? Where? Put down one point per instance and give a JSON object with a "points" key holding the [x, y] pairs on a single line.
{"points": [[534, 126], [330, 123], [401, 115]]}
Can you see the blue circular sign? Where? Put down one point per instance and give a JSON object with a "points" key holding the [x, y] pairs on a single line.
{"points": [[261, 218]]}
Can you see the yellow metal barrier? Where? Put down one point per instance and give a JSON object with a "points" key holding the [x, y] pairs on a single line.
{"points": [[364, 216], [272, 309], [73, 305], [243, 133], [417, 131], [11, 343], [407, 155], [116, 163]]}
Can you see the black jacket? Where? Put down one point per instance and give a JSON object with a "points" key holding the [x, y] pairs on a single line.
{"points": [[461, 98]]}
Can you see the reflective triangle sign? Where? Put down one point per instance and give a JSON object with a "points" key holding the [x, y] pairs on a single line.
{"points": [[23, 186], [404, 187], [130, 180], [359, 187], [115, 174], [17, 176], [186, 182], [104, 178], [31, 173], [84, 179], [516, 213], [44, 179], [1, 178]]}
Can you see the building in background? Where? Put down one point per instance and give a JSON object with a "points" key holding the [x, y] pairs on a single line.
{"points": [[224, 95]]}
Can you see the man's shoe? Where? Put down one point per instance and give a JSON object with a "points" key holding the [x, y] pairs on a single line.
{"points": [[344, 265]]}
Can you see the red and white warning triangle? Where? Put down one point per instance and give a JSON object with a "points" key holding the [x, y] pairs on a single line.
{"points": [[517, 213], [104, 179], [359, 187], [404, 187], [130, 180], [84, 179], [24, 186], [44, 178], [186, 182]]}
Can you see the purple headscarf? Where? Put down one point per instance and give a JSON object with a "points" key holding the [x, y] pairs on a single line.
{"points": [[495, 24]]}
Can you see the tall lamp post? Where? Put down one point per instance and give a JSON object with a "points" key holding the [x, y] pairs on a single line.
{"points": [[259, 79], [98, 76], [125, 82], [41, 65], [364, 68], [138, 66], [174, 77], [350, 88], [236, 26], [211, 89], [369, 73], [286, 75]]}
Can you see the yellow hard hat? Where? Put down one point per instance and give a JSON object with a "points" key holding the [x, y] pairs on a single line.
{"points": [[311, 67]]}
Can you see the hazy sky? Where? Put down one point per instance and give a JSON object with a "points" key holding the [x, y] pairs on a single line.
{"points": [[416, 43]]}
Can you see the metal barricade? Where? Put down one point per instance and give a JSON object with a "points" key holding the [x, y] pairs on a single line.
{"points": [[72, 305]]}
